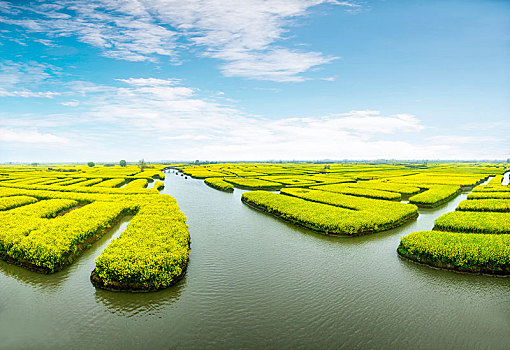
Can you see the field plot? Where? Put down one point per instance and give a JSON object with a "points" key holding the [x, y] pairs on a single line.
{"points": [[253, 183], [49, 216], [474, 238], [219, 184], [44, 225], [435, 195], [349, 199]]}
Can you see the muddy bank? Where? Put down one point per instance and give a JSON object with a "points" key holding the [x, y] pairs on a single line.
{"points": [[448, 266], [132, 287]]}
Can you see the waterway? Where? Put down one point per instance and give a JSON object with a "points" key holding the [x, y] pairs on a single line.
{"points": [[506, 178], [256, 282]]}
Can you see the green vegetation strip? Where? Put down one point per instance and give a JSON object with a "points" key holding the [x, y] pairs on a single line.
{"points": [[435, 196], [386, 211], [159, 185], [361, 192], [495, 205], [111, 183], [383, 186], [492, 188], [474, 222], [487, 195], [151, 253], [136, 184], [253, 183], [324, 218], [465, 252], [15, 201], [475, 238], [50, 245], [219, 184]]}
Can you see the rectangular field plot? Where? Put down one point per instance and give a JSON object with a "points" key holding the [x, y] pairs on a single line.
{"points": [[46, 223], [331, 213], [475, 222], [48, 244]]}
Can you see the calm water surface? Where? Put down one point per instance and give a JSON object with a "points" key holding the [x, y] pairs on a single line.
{"points": [[256, 282]]}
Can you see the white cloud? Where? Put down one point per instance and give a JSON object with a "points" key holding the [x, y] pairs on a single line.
{"points": [[73, 103], [111, 27], [28, 94], [149, 81], [276, 65], [15, 77], [165, 115], [45, 42], [247, 35], [163, 119], [13, 74], [29, 136]]}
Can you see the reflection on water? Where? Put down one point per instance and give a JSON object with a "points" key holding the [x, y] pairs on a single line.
{"points": [[139, 304], [33, 279]]}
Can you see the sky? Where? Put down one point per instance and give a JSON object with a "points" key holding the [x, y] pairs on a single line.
{"points": [[221, 80]]}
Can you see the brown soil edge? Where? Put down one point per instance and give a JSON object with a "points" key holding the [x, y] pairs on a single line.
{"points": [[300, 224], [437, 204], [471, 187], [71, 209], [229, 190], [132, 287], [439, 265], [73, 255]]}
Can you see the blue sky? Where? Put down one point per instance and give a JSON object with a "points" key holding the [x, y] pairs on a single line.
{"points": [[254, 80]]}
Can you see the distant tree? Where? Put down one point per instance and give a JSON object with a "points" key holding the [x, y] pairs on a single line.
{"points": [[91, 164], [197, 161], [123, 163], [141, 164], [34, 164], [508, 160]]}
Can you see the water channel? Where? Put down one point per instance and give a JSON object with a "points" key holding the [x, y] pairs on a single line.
{"points": [[256, 282]]}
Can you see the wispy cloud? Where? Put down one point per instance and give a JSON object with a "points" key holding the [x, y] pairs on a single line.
{"points": [[113, 27], [73, 103], [28, 94], [277, 64], [150, 111], [247, 35], [164, 118], [14, 74], [29, 136], [20, 79]]}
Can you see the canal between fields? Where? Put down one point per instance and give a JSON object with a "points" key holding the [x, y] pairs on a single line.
{"points": [[256, 282]]}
